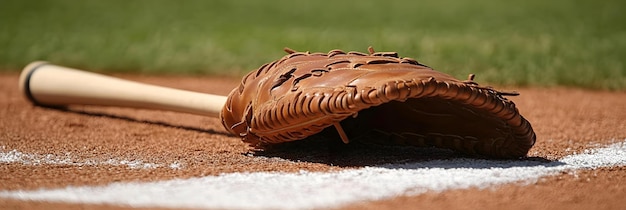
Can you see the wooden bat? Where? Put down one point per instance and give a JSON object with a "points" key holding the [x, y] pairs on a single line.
{"points": [[50, 85]]}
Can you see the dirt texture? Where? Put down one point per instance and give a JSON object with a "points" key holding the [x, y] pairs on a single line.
{"points": [[566, 121]]}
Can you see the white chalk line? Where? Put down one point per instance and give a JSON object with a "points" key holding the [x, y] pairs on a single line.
{"points": [[14, 156], [306, 190]]}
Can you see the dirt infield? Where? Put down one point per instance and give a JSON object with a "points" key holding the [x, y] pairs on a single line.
{"points": [[59, 148]]}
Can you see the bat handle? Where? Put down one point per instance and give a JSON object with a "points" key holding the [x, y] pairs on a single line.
{"points": [[45, 84]]}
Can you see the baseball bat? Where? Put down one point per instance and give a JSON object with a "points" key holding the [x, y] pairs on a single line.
{"points": [[46, 84]]}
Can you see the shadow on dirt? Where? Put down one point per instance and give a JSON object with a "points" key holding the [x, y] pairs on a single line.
{"points": [[357, 154], [130, 119], [332, 151]]}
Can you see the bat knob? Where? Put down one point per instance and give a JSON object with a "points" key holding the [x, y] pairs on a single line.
{"points": [[25, 79]]}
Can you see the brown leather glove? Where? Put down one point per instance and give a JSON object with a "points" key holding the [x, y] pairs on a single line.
{"points": [[375, 97]]}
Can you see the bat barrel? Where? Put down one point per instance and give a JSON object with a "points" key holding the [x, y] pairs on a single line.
{"points": [[45, 84]]}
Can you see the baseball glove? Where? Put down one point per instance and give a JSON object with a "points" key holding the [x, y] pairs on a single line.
{"points": [[374, 98]]}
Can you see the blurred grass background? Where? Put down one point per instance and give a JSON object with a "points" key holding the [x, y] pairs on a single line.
{"points": [[578, 43]]}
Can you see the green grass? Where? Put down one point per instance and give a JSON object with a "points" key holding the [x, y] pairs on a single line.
{"points": [[527, 43]]}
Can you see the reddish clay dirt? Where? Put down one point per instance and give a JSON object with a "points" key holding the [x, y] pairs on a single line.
{"points": [[566, 121]]}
